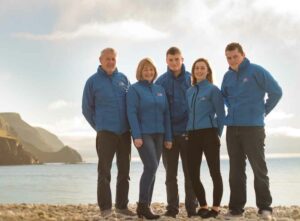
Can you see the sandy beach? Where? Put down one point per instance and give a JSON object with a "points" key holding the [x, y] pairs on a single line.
{"points": [[90, 212]]}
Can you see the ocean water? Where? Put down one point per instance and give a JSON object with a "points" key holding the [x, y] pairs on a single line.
{"points": [[76, 183]]}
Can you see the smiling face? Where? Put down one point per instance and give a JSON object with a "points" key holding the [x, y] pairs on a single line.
{"points": [[148, 73], [234, 58], [174, 63], [108, 61], [200, 71]]}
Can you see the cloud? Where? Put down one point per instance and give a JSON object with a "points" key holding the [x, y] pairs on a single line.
{"points": [[69, 127], [284, 131], [129, 29], [279, 115], [60, 104], [5, 76], [83, 12]]}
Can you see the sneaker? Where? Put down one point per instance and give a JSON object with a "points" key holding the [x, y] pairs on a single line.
{"points": [[203, 213], [233, 214], [170, 213], [125, 212], [265, 214], [106, 213]]}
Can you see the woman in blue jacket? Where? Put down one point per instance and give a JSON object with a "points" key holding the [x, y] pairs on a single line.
{"points": [[149, 119], [205, 125]]}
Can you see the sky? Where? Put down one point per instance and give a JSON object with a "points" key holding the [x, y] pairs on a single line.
{"points": [[48, 49]]}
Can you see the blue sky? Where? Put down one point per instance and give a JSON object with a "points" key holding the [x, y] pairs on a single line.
{"points": [[49, 48]]}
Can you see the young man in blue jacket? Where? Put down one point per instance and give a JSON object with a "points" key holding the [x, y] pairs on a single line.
{"points": [[176, 81], [244, 88], [104, 107]]}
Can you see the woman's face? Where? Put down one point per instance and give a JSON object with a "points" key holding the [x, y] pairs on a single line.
{"points": [[148, 73], [200, 71]]}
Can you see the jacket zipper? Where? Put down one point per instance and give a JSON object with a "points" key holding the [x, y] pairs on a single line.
{"points": [[194, 106]]}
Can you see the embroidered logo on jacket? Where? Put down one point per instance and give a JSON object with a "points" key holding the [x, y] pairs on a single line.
{"points": [[159, 94], [202, 98], [245, 80], [121, 83]]}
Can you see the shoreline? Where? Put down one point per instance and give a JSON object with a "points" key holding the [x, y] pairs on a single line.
{"points": [[90, 212]]}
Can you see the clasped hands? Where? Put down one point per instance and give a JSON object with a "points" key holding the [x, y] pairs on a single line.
{"points": [[139, 142]]}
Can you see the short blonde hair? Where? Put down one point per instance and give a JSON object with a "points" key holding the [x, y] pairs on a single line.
{"points": [[141, 65]]}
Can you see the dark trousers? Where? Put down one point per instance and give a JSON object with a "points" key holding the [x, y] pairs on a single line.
{"points": [[150, 153], [242, 143], [205, 141], [107, 145], [170, 161]]}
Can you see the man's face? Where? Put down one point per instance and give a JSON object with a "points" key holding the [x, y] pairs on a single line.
{"points": [[234, 58], [108, 62], [174, 62]]}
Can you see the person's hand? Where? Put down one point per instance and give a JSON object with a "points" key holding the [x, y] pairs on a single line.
{"points": [[168, 144], [138, 142]]}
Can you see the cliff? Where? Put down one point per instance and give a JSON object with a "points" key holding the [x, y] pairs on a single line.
{"points": [[13, 153], [38, 144]]}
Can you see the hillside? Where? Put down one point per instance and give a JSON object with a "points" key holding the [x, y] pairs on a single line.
{"points": [[39, 143]]}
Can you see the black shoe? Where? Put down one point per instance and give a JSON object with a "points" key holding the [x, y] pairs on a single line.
{"points": [[170, 213], [213, 213], [203, 213], [191, 213], [143, 210]]}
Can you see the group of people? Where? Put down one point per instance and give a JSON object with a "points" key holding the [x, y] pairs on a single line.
{"points": [[181, 114]]}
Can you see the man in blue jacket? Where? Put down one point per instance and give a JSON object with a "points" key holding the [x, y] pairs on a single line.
{"points": [[176, 81], [104, 107], [244, 88]]}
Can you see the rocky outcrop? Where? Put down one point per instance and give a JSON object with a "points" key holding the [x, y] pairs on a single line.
{"points": [[64, 155], [35, 144], [13, 153]]}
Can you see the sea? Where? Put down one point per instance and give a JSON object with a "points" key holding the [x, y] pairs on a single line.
{"points": [[76, 183]]}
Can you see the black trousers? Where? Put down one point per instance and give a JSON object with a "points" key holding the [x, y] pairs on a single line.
{"points": [[207, 142], [243, 143], [170, 161], [107, 145]]}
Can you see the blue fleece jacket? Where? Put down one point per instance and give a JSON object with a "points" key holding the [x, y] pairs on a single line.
{"points": [[176, 88], [104, 101], [147, 110], [244, 93], [206, 107]]}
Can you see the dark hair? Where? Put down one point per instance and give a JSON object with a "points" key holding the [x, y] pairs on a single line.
{"points": [[234, 45], [173, 51], [209, 76]]}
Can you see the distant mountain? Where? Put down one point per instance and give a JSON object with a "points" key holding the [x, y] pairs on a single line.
{"points": [[25, 132], [50, 138], [40, 143]]}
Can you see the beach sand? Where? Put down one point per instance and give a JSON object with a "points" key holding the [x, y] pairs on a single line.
{"points": [[90, 212]]}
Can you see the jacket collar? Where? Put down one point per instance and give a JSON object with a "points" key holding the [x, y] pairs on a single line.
{"points": [[180, 76], [202, 84], [101, 71], [242, 65], [146, 83]]}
